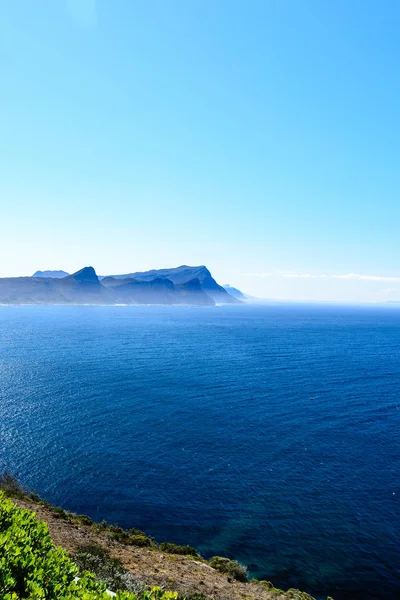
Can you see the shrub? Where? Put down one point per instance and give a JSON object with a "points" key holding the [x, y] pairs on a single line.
{"points": [[230, 567], [121, 536], [34, 497], [132, 537], [175, 549], [133, 531], [140, 540], [84, 519], [195, 596], [95, 558], [60, 513], [32, 567], [11, 486], [94, 550]]}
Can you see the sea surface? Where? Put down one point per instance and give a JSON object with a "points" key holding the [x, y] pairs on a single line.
{"points": [[269, 434]]}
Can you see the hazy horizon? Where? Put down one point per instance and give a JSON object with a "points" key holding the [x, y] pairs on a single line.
{"points": [[289, 275], [258, 139]]}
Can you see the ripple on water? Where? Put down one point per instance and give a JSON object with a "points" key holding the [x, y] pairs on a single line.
{"points": [[269, 434]]}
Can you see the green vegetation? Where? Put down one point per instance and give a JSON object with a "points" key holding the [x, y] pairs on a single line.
{"points": [[132, 537], [11, 486], [60, 513], [175, 549], [194, 597], [97, 560], [230, 567], [32, 567], [84, 519]]}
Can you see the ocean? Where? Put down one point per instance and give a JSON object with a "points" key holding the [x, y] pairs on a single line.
{"points": [[269, 434]]}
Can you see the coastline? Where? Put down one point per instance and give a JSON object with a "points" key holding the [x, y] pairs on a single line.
{"points": [[153, 564]]}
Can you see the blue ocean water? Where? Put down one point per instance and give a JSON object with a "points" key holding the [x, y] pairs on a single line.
{"points": [[265, 433]]}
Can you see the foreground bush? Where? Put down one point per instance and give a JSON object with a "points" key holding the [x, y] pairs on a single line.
{"points": [[230, 567], [32, 567]]}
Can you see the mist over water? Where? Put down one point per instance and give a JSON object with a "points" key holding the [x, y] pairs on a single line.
{"points": [[267, 434]]}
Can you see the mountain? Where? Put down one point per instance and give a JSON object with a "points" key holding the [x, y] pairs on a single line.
{"points": [[85, 287], [87, 275], [180, 285], [131, 291], [234, 292], [183, 275], [82, 287], [156, 291], [53, 274]]}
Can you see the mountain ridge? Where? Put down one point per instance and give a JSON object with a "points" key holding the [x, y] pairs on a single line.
{"points": [[183, 274], [180, 285], [235, 292], [52, 274]]}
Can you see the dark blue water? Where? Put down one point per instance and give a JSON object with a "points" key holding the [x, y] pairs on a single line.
{"points": [[268, 434]]}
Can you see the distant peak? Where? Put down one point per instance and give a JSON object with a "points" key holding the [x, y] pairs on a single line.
{"points": [[200, 269], [234, 291], [51, 274], [85, 274]]}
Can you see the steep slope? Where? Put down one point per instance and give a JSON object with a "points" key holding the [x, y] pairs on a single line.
{"points": [[28, 290], [85, 287], [234, 292], [156, 291], [131, 291], [183, 275], [191, 577], [192, 292], [82, 287]]}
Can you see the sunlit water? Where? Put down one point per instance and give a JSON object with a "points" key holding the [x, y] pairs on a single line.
{"points": [[268, 434]]}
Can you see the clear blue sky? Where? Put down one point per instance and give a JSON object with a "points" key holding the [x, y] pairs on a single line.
{"points": [[261, 138]]}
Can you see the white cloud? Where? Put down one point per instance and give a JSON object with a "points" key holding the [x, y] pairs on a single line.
{"points": [[360, 277], [345, 276], [295, 275], [257, 274]]}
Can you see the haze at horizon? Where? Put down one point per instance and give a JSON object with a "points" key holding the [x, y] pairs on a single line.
{"points": [[259, 139]]}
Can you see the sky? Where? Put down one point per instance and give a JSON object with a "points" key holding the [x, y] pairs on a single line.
{"points": [[260, 138]]}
